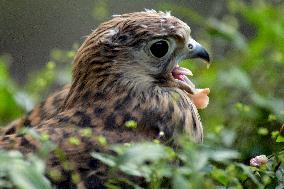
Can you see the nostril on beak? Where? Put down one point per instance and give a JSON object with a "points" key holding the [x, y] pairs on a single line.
{"points": [[190, 46]]}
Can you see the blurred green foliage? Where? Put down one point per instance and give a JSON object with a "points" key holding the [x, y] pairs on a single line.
{"points": [[17, 100], [190, 166], [15, 170], [242, 120], [9, 108]]}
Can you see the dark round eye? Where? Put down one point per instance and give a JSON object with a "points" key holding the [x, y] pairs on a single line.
{"points": [[159, 48]]}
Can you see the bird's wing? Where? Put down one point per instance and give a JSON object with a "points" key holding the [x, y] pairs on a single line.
{"points": [[73, 147], [43, 111]]}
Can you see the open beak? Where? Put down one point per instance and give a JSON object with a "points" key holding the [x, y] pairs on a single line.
{"points": [[194, 50], [197, 51]]}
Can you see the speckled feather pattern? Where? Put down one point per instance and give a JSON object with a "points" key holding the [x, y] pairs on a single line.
{"points": [[109, 87]]}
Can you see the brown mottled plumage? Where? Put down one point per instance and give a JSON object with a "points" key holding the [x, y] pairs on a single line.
{"points": [[117, 78]]}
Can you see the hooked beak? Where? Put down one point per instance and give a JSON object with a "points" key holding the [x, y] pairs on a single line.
{"points": [[197, 51], [193, 50]]}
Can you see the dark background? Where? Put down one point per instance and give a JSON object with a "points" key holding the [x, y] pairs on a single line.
{"points": [[30, 29]]}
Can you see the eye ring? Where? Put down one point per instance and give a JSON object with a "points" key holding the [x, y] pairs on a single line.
{"points": [[159, 48], [190, 46]]}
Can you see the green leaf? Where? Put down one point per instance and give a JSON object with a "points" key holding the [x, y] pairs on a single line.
{"points": [[222, 155], [147, 151], [263, 131], [179, 182], [280, 138], [250, 174], [131, 124], [25, 174], [106, 159], [220, 176]]}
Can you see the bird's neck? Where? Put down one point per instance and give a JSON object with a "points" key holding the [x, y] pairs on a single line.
{"points": [[89, 85]]}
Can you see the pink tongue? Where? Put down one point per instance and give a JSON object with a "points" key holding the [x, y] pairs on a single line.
{"points": [[179, 77], [177, 74]]}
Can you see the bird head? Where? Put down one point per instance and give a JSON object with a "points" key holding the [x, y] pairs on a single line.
{"points": [[143, 46]]}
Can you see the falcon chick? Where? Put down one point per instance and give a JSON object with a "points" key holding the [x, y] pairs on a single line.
{"points": [[126, 70]]}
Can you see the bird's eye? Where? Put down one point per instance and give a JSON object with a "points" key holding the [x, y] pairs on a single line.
{"points": [[159, 48]]}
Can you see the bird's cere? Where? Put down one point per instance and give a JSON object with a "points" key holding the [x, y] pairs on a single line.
{"points": [[259, 161]]}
